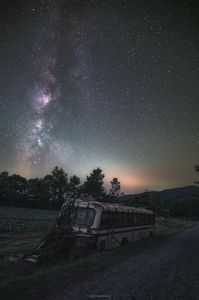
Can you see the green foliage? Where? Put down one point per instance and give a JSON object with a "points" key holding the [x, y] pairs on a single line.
{"points": [[93, 185], [56, 185], [25, 281], [74, 187], [52, 190], [171, 226], [12, 188], [47, 192], [174, 206]]}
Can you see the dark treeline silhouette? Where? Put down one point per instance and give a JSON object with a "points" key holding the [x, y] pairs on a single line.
{"points": [[52, 190], [179, 202], [197, 170]]}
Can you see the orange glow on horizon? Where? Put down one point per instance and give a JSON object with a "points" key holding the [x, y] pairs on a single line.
{"points": [[129, 180]]}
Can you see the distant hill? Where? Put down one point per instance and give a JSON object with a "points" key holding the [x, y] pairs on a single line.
{"points": [[168, 194], [181, 201]]}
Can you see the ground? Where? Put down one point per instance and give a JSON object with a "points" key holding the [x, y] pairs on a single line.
{"points": [[166, 270], [163, 267]]}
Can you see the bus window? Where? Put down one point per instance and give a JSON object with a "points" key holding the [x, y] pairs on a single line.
{"points": [[111, 220], [129, 219], [135, 218], [119, 219], [132, 221], [84, 216], [138, 219], [106, 220]]}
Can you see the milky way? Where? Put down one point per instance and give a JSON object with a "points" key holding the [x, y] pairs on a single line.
{"points": [[37, 147], [110, 84]]}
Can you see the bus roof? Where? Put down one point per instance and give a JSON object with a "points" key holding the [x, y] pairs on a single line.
{"points": [[112, 207]]}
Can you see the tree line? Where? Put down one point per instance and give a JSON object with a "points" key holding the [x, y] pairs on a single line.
{"points": [[52, 190], [182, 206]]}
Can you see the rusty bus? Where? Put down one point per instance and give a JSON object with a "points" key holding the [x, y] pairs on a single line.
{"points": [[83, 226], [110, 225]]}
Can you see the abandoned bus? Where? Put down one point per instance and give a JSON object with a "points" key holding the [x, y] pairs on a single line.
{"points": [[111, 225]]}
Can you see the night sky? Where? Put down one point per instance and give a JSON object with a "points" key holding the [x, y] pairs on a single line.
{"points": [[101, 83]]}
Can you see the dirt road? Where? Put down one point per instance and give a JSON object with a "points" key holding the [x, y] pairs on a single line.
{"points": [[167, 270]]}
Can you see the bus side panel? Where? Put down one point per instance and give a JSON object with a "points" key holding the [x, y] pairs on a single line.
{"points": [[112, 239], [136, 235]]}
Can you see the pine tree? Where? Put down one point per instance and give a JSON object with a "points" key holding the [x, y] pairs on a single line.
{"points": [[93, 185], [197, 170], [115, 187]]}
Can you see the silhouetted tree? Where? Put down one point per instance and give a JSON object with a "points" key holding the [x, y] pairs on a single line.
{"points": [[115, 187], [56, 186], [18, 184], [13, 189], [197, 170], [4, 174], [33, 187], [93, 185], [73, 188], [3, 181], [4, 187], [52, 190], [38, 193]]}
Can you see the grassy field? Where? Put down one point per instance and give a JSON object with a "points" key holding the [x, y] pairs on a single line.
{"points": [[25, 219], [26, 280], [28, 212], [172, 225]]}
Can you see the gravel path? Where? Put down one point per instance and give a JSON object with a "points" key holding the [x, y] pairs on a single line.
{"points": [[169, 270]]}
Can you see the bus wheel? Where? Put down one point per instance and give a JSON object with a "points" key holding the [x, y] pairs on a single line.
{"points": [[124, 241], [102, 246]]}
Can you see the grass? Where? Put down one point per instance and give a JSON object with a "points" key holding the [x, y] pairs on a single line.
{"points": [[12, 244], [15, 219], [172, 225], [29, 280], [28, 213]]}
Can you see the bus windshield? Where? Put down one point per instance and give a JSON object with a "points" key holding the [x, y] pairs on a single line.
{"points": [[84, 216]]}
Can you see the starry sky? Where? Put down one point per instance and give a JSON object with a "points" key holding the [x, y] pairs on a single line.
{"points": [[101, 83]]}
